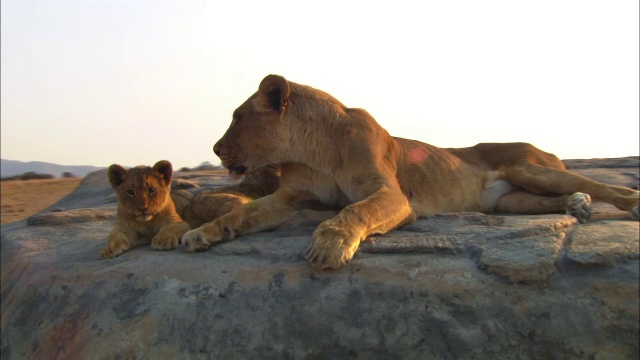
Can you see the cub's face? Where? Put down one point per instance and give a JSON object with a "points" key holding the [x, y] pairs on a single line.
{"points": [[256, 128], [142, 191]]}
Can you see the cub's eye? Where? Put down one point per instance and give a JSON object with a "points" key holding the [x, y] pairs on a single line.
{"points": [[130, 192], [152, 190]]}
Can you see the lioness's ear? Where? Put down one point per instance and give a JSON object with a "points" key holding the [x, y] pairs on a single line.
{"points": [[164, 168], [273, 93], [117, 174]]}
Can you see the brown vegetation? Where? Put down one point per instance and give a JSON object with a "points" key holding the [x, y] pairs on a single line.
{"points": [[21, 199]]}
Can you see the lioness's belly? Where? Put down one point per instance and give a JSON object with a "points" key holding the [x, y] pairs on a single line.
{"points": [[436, 181]]}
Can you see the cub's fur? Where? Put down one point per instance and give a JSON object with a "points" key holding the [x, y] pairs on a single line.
{"points": [[146, 212], [340, 157], [149, 211]]}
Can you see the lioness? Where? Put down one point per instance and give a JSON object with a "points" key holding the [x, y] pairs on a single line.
{"points": [[149, 211], [335, 156]]}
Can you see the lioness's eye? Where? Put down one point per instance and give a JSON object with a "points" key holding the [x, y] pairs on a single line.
{"points": [[130, 192], [152, 190]]}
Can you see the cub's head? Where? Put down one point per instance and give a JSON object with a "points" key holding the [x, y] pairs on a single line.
{"points": [[258, 128], [142, 191]]}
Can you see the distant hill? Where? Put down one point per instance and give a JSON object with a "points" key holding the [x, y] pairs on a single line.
{"points": [[10, 168]]}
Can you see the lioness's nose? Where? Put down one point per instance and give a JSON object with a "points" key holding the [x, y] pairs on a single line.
{"points": [[216, 148]]}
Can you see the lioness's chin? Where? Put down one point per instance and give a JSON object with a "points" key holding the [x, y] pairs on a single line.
{"points": [[236, 173], [241, 169], [235, 176], [144, 217]]}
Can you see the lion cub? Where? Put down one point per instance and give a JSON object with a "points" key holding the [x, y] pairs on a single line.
{"points": [[146, 211]]}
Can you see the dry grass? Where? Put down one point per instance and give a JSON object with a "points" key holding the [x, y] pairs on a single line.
{"points": [[23, 198]]}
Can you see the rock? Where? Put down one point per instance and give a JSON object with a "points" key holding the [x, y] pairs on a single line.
{"points": [[464, 285], [182, 184], [631, 162], [621, 171], [596, 244], [59, 217], [520, 248]]}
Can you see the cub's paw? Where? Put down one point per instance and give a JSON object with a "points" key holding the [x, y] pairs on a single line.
{"points": [[579, 206], [164, 242], [112, 250], [331, 247], [202, 238]]}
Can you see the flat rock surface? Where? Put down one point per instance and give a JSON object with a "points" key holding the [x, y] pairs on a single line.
{"points": [[463, 285]]}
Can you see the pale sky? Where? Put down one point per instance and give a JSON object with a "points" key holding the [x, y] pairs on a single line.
{"points": [[131, 82]]}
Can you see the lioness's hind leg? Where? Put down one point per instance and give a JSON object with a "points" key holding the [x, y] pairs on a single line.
{"points": [[538, 179], [522, 202], [579, 206]]}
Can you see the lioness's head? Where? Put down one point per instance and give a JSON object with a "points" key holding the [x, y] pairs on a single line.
{"points": [[142, 191], [256, 129]]}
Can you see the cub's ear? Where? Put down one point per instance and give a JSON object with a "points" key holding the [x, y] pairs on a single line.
{"points": [[164, 169], [117, 175], [273, 93]]}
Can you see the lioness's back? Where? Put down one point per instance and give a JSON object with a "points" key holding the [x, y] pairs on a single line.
{"points": [[512, 153]]}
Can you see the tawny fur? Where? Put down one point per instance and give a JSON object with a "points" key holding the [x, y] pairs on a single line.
{"points": [[148, 211], [338, 157], [205, 205]]}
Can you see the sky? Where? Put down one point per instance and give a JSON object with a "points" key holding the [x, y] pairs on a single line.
{"points": [[96, 82]]}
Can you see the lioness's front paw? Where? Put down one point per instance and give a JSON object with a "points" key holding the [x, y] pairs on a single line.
{"points": [[164, 242], [202, 238], [635, 213], [331, 247], [194, 240], [579, 206]]}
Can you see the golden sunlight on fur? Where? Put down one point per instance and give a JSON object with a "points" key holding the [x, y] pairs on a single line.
{"points": [[148, 211], [337, 157]]}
